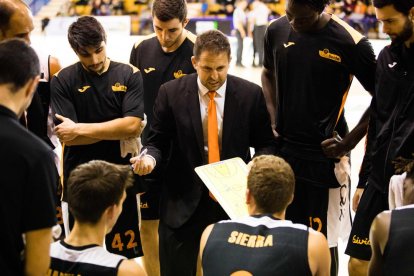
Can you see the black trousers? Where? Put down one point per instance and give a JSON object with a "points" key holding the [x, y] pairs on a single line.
{"points": [[179, 247]]}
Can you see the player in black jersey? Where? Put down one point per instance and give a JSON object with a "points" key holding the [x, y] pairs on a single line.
{"points": [[161, 57], [391, 129], [310, 60], [97, 103], [265, 243], [95, 193], [392, 232]]}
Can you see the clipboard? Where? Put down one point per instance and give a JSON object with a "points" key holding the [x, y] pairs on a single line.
{"points": [[227, 181]]}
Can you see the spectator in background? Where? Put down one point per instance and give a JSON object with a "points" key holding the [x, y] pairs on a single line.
{"points": [[258, 21], [240, 28]]}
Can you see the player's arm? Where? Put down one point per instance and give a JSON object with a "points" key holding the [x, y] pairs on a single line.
{"points": [[319, 256], [363, 66], [378, 237], [269, 92], [130, 267], [334, 148], [365, 170], [203, 241], [117, 129], [161, 133], [37, 251]]}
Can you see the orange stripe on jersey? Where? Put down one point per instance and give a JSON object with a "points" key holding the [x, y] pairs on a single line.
{"points": [[344, 99]]}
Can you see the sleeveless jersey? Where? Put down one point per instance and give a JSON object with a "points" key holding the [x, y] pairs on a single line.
{"points": [[82, 260], [399, 251], [260, 245]]}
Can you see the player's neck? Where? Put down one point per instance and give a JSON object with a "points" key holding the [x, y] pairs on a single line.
{"points": [[177, 44], [86, 234]]}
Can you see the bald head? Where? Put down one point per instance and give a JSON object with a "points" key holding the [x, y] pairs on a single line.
{"points": [[15, 20]]}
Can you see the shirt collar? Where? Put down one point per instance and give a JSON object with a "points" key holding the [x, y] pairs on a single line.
{"points": [[203, 90]]}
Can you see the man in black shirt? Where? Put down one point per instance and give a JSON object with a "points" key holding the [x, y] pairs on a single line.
{"points": [[310, 60], [265, 243], [98, 102], [28, 175], [391, 128], [161, 57]]}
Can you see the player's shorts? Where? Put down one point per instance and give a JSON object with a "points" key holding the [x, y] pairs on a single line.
{"points": [[322, 196], [150, 202], [370, 205]]}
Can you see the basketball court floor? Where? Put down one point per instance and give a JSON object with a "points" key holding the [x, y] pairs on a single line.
{"points": [[119, 48]]}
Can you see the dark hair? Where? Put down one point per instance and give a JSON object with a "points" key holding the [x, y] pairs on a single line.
{"points": [[402, 6], [86, 32], [316, 5], [212, 41], [18, 63], [405, 165], [7, 9], [271, 183], [95, 186], [165, 10]]}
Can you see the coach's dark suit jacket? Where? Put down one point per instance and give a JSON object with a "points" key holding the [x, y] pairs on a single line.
{"points": [[177, 119]]}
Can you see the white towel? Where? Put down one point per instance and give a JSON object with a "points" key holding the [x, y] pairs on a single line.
{"points": [[339, 216], [395, 191], [132, 145]]}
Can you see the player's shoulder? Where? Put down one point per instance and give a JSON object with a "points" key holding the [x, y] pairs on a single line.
{"points": [[347, 32], [68, 71], [124, 67], [191, 37], [278, 23], [130, 267], [147, 40]]}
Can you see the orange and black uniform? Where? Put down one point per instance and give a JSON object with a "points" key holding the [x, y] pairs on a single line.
{"points": [[390, 135], [261, 245], [158, 67], [313, 73], [86, 97], [399, 250]]}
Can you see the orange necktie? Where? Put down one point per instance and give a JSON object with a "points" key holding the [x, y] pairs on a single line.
{"points": [[213, 145]]}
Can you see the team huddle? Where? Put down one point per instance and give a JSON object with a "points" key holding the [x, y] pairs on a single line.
{"points": [[124, 185]]}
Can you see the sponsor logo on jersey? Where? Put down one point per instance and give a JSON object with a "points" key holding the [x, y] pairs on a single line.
{"points": [[149, 70], [117, 87], [179, 74], [288, 44], [391, 65], [143, 205], [326, 54], [358, 240], [83, 89], [247, 240]]}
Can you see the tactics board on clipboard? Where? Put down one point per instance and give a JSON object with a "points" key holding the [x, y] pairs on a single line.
{"points": [[227, 181]]}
